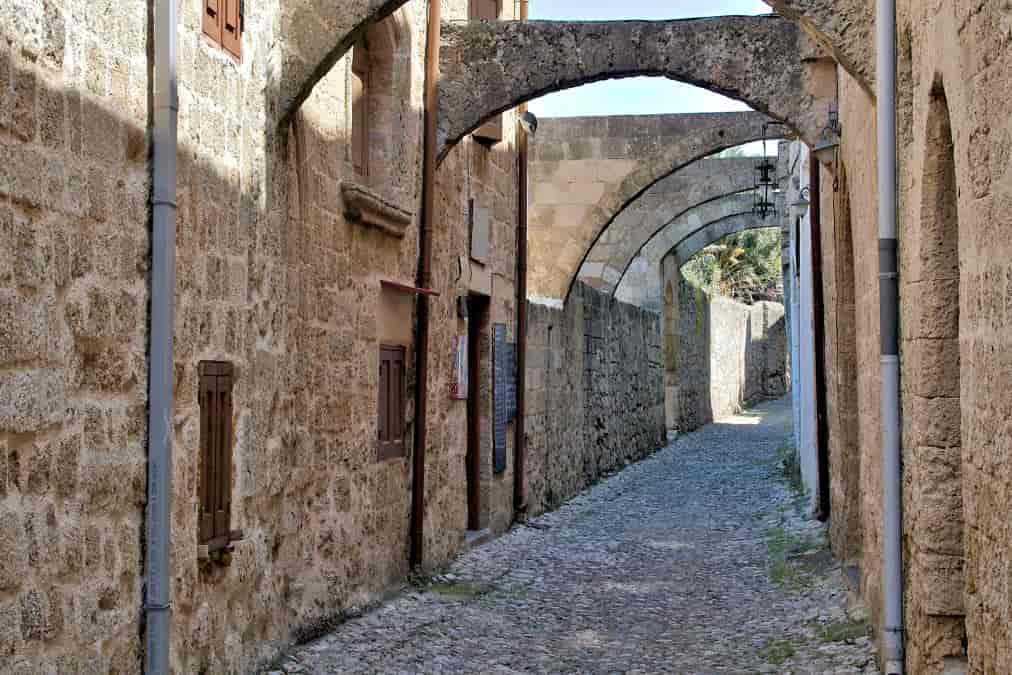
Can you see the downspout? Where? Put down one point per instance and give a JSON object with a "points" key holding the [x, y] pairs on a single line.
{"points": [[520, 425], [163, 288], [885, 85], [432, 39]]}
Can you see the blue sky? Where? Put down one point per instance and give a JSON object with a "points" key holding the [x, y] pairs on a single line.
{"points": [[636, 95]]}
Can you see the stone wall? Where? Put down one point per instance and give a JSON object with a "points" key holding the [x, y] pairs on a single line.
{"points": [[273, 276], [594, 393], [74, 257], [728, 356], [955, 191]]}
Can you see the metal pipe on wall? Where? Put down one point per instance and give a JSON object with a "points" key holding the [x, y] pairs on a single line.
{"points": [[885, 85], [157, 601], [432, 39], [520, 426]]}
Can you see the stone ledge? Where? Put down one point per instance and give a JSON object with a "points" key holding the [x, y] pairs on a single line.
{"points": [[364, 206]]}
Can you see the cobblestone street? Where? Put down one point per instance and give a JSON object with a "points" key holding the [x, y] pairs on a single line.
{"points": [[693, 561]]}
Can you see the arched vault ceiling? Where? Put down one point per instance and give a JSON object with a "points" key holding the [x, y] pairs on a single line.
{"points": [[663, 241], [668, 201], [846, 28], [641, 285], [315, 34], [490, 67], [714, 232], [585, 170]]}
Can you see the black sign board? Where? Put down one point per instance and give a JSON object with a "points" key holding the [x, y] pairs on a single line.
{"points": [[504, 393]]}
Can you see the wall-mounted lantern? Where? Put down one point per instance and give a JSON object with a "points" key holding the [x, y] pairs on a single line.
{"points": [[825, 148], [800, 205]]}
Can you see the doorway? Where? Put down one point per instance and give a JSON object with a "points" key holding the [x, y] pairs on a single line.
{"points": [[477, 343]]}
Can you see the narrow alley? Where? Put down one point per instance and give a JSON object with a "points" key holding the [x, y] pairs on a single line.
{"points": [[693, 561]]}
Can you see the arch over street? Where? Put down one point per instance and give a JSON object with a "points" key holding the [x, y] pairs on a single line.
{"points": [[846, 28], [640, 281], [488, 68], [676, 195]]}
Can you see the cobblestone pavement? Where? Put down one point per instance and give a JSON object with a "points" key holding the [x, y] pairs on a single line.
{"points": [[693, 561]]}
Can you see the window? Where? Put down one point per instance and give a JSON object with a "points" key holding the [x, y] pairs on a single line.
{"points": [[223, 24], [487, 10], [216, 380], [360, 91], [392, 397]]}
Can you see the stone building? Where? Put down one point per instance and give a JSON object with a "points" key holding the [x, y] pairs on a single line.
{"points": [[303, 297]]}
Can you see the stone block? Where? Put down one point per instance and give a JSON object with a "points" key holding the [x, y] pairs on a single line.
{"points": [[933, 367], [936, 421], [941, 584]]}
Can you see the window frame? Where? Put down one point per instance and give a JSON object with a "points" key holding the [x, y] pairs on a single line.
{"points": [[361, 76]]}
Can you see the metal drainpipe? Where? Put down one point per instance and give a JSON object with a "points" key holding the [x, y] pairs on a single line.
{"points": [[432, 39], [885, 47], [163, 288], [519, 426]]}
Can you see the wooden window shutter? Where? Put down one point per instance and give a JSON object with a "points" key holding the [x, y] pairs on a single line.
{"points": [[231, 27], [360, 109], [484, 10], [216, 379], [212, 20], [392, 396]]}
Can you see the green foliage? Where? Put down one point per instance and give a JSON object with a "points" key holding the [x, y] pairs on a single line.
{"points": [[745, 266], [777, 651], [844, 631]]}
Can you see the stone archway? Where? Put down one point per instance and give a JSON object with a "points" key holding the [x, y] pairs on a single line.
{"points": [[682, 239], [488, 68], [844, 27], [586, 171], [700, 193]]}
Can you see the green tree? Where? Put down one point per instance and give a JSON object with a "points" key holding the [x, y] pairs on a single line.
{"points": [[745, 266]]}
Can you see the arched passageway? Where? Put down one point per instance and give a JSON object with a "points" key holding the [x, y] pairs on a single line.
{"points": [[488, 68], [700, 193], [586, 171]]}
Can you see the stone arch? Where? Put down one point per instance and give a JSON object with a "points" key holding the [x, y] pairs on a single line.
{"points": [[488, 68], [643, 289], [846, 28], [585, 171], [316, 34], [936, 534], [670, 200]]}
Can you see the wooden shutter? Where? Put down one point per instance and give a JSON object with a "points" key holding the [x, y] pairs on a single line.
{"points": [[231, 28], [212, 20], [360, 109], [215, 453], [484, 10], [392, 395]]}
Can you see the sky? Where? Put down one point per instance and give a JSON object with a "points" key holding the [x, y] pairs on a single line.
{"points": [[636, 95]]}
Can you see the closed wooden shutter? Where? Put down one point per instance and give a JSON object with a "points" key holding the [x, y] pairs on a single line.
{"points": [[484, 10], [212, 19], [392, 395], [231, 29], [360, 109], [215, 453]]}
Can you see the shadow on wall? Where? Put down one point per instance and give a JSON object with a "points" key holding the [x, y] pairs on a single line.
{"points": [[595, 399], [729, 356]]}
